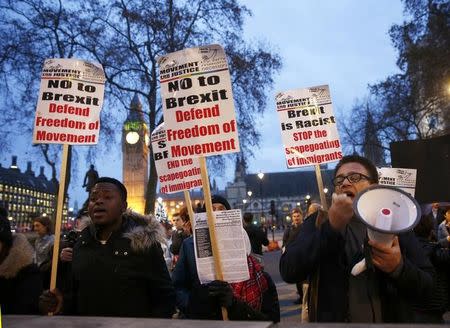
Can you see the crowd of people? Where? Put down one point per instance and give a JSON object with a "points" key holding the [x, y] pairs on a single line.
{"points": [[119, 263]]}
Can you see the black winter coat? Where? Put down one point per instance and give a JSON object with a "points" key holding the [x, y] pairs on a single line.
{"points": [[319, 251], [126, 277], [257, 238], [439, 301], [20, 279], [194, 301]]}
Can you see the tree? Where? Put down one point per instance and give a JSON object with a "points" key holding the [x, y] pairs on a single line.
{"points": [[416, 102], [127, 37], [363, 131], [31, 32]]}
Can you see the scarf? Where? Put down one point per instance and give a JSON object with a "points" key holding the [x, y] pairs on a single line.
{"points": [[250, 291]]}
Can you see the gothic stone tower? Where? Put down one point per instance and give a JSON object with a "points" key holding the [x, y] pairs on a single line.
{"points": [[135, 141]]}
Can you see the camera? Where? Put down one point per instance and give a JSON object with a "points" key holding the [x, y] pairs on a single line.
{"points": [[70, 238]]}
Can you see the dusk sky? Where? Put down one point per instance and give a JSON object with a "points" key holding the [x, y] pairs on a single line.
{"points": [[344, 44]]}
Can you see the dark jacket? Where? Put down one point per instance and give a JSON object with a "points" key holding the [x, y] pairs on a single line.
{"points": [[290, 234], [318, 253], [257, 238], [177, 239], [194, 302], [438, 303], [20, 279], [126, 277]]}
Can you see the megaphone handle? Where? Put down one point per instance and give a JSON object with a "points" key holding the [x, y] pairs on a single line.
{"points": [[368, 254]]}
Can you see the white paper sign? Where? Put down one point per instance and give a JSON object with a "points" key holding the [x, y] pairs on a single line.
{"points": [[198, 103], [308, 127], [231, 243], [404, 179], [174, 175], [70, 100]]}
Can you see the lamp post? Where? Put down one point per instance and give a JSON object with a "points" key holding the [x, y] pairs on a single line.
{"points": [[249, 194], [262, 219], [244, 201], [261, 176]]}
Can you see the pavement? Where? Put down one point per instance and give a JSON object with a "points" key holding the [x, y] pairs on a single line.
{"points": [[287, 293]]}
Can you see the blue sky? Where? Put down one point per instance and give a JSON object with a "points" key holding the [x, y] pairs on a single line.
{"points": [[342, 43]]}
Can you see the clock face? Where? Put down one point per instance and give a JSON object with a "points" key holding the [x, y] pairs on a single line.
{"points": [[147, 139], [132, 137]]}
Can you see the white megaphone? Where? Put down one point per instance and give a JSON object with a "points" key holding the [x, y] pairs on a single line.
{"points": [[386, 211]]}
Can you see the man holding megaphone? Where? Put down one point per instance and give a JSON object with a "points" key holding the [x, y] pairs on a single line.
{"points": [[329, 246]]}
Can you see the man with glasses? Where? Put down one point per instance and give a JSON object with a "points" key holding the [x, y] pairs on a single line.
{"points": [[330, 244]]}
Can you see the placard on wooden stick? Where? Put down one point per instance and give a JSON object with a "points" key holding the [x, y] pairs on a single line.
{"points": [[199, 112], [68, 113], [308, 129]]}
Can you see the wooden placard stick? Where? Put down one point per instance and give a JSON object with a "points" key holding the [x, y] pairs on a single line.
{"points": [[212, 225], [187, 200], [323, 200], [59, 212]]}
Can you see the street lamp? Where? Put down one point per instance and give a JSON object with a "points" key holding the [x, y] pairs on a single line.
{"points": [[325, 190], [249, 193], [245, 203]]}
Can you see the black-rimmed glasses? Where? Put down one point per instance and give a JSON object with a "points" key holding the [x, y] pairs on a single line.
{"points": [[352, 178]]}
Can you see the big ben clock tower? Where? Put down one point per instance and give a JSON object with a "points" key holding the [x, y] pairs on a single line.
{"points": [[135, 142]]}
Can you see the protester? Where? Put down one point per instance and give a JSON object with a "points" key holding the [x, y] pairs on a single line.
{"points": [[328, 246], [256, 235], [20, 280], [444, 227], [439, 255], [184, 215], [179, 234], [292, 231], [118, 267], [437, 215], [43, 247], [64, 280], [289, 235], [253, 299], [168, 257]]}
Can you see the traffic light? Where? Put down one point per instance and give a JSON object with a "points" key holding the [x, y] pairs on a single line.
{"points": [[272, 207]]}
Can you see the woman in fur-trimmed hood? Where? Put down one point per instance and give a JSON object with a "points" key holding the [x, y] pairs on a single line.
{"points": [[118, 267], [20, 280]]}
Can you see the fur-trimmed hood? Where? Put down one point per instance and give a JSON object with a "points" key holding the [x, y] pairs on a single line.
{"points": [[20, 256], [143, 230]]}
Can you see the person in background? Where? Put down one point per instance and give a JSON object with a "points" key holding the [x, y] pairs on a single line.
{"points": [[437, 216], [43, 247], [184, 215], [20, 279], [253, 299], [168, 257], [289, 235], [256, 235], [439, 255], [178, 235], [444, 227], [64, 278]]}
